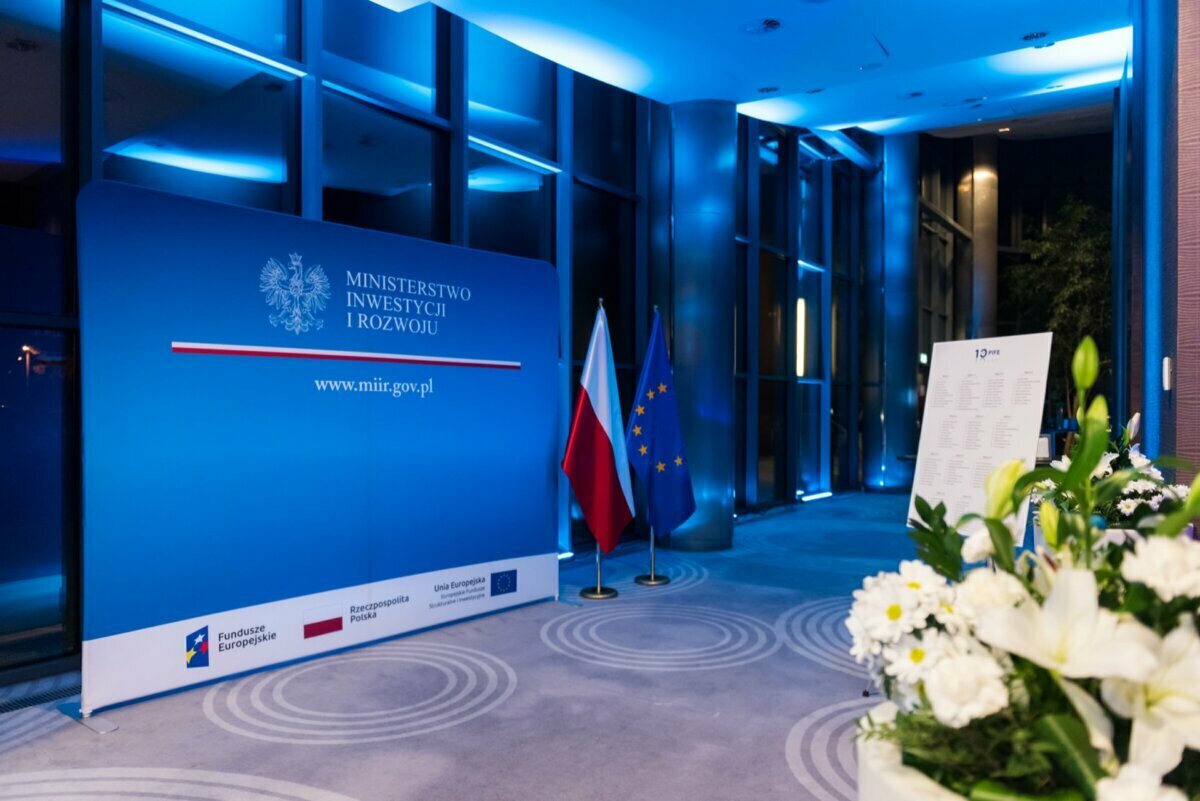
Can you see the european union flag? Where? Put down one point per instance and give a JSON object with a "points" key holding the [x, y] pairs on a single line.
{"points": [[654, 440]]}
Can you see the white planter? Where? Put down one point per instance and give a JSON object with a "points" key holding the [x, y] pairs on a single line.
{"points": [[883, 777]]}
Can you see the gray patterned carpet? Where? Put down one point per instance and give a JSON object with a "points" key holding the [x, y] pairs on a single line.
{"points": [[730, 683]]}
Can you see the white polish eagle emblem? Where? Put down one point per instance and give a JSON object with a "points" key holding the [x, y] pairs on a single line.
{"points": [[297, 293]]}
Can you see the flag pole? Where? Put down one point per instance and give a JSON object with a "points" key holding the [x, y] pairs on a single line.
{"points": [[599, 592], [652, 579]]}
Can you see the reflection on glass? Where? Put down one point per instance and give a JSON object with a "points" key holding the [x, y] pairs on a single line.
{"points": [[603, 267], [512, 93], [772, 314], [390, 53], [32, 192], [772, 186], [604, 132], [37, 377], [265, 25], [190, 119], [809, 290], [379, 170], [772, 441], [509, 207]]}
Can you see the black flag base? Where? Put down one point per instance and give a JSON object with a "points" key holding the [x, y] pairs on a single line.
{"points": [[652, 580], [597, 593]]}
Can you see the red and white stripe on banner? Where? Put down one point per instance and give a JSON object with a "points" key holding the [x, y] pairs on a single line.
{"points": [[218, 349]]}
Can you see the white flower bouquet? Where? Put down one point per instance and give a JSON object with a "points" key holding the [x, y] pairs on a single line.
{"points": [[1144, 495], [1070, 674]]}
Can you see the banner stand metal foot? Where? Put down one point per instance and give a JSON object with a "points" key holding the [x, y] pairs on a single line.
{"points": [[652, 579], [599, 592]]}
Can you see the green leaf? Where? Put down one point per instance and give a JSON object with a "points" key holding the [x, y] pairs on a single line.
{"points": [[1002, 544], [988, 790], [1073, 752]]}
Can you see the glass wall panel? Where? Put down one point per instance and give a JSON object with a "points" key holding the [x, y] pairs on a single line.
{"points": [[604, 132], [812, 220], [772, 441], [772, 186], [743, 228], [739, 448], [741, 326], [389, 53], [603, 267], [265, 25], [512, 93], [842, 210], [193, 120], [510, 208], [37, 491], [843, 438], [808, 438], [842, 344], [772, 314], [379, 170], [32, 190]]}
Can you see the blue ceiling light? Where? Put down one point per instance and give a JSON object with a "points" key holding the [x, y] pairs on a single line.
{"points": [[247, 168], [199, 36], [1083, 54], [503, 178], [511, 155]]}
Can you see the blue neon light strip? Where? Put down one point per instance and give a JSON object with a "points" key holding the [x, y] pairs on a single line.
{"points": [[192, 33], [816, 496], [512, 155]]}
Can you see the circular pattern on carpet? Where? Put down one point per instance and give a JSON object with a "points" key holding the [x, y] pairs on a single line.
{"points": [[817, 631], [820, 750], [468, 683], [619, 574], [730, 638], [156, 784], [26, 725]]}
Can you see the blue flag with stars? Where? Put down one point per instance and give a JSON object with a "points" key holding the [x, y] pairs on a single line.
{"points": [[654, 440]]}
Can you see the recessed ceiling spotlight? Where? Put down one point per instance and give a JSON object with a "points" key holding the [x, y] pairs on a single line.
{"points": [[758, 27], [22, 45], [1043, 45], [969, 101], [767, 90], [816, 91], [1004, 130], [1054, 86], [870, 65], [909, 95], [1035, 35]]}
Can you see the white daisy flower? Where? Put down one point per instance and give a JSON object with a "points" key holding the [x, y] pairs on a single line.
{"points": [[886, 610], [911, 659], [1128, 506]]}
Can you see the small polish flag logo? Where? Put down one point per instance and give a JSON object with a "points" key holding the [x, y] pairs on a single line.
{"points": [[325, 620]]}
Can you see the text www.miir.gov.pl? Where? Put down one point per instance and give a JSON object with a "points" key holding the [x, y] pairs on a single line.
{"points": [[377, 386]]}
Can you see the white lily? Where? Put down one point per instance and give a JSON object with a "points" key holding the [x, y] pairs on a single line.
{"points": [[1165, 708], [1071, 634]]}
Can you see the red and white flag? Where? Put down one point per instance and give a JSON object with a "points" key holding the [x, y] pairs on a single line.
{"points": [[595, 459]]}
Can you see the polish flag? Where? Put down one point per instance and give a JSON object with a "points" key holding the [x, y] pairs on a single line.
{"points": [[595, 459], [325, 620]]}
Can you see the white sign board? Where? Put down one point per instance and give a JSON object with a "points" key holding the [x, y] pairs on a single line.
{"points": [[983, 407]]}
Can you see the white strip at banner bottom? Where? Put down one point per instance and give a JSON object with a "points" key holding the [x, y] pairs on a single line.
{"points": [[137, 664]]}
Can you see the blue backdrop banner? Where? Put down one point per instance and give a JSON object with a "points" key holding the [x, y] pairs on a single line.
{"points": [[299, 436]]}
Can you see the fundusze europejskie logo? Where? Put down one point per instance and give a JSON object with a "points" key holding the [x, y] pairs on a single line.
{"points": [[196, 648], [297, 293]]}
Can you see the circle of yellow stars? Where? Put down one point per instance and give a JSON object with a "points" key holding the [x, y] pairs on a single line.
{"points": [[640, 410]]}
